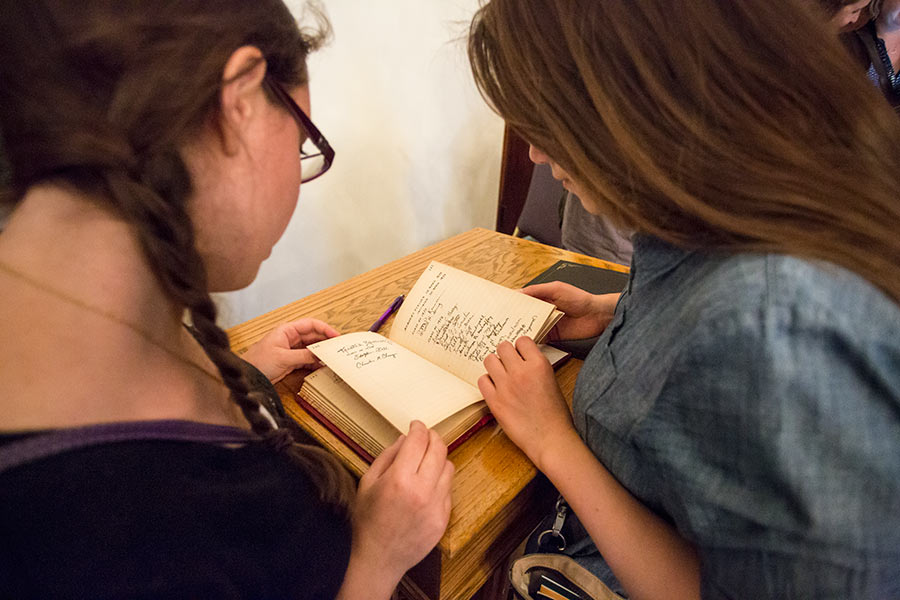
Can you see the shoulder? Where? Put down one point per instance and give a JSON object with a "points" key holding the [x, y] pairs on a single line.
{"points": [[707, 289], [770, 336], [778, 425], [758, 292], [700, 331], [242, 522], [785, 392]]}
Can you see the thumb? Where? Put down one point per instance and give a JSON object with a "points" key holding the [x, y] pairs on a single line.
{"points": [[384, 460], [299, 358]]}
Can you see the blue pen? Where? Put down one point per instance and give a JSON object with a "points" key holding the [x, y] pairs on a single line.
{"points": [[393, 307]]}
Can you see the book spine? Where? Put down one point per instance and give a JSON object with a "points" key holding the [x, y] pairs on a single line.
{"points": [[470, 432]]}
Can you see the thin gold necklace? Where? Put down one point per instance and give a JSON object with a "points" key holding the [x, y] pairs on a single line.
{"points": [[106, 315]]}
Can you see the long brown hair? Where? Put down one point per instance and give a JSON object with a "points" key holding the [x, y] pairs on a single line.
{"points": [[100, 95], [739, 125]]}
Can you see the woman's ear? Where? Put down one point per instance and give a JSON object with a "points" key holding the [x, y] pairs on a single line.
{"points": [[242, 81]]}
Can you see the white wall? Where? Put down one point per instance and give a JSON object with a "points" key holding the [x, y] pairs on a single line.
{"points": [[417, 150]]}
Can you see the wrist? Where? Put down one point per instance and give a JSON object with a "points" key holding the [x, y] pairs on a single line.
{"points": [[365, 578], [605, 304], [252, 357], [556, 445]]}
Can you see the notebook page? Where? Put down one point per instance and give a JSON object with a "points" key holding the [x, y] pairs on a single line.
{"points": [[455, 319], [394, 381]]}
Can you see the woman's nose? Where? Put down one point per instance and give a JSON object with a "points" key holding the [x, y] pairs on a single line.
{"points": [[536, 156]]}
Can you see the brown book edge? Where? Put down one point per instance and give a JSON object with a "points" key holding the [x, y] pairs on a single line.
{"points": [[365, 455]]}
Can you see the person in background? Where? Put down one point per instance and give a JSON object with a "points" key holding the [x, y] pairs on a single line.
{"points": [[592, 234], [845, 15], [879, 39], [155, 151], [735, 431], [870, 35]]}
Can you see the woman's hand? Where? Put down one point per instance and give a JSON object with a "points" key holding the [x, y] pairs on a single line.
{"points": [[521, 391], [283, 349], [587, 315], [401, 512]]}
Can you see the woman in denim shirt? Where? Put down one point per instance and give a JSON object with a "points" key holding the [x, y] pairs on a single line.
{"points": [[737, 426]]}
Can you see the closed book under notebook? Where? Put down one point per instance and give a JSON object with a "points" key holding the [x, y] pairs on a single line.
{"points": [[591, 279], [427, 367]]}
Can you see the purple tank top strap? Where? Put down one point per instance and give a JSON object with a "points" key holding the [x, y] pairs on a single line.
{"points": [[43, 445]]}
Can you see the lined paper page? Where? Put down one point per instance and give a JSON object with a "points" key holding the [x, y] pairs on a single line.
{"points": [[455, 319], [397, 383]]}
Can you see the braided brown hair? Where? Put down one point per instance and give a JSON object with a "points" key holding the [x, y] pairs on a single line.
{"points": [[101, 97]]}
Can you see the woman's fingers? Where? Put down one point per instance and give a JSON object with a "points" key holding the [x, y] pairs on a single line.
{"points": [[508, 354], [434, 459], [413, 449], [384, 460], [307, 331]]}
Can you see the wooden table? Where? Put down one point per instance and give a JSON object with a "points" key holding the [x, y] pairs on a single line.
{"points": [[497, 496]]}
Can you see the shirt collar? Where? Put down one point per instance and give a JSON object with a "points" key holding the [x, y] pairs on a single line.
{"points": [[653, 258]]}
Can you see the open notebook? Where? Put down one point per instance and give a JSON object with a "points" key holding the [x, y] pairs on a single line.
{"points": [[427, 367]]}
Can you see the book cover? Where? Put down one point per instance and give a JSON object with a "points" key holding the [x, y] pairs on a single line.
{"points": [[591, 279]]}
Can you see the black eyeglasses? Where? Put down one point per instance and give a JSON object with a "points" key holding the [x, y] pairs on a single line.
{"points": [[316, 154]]}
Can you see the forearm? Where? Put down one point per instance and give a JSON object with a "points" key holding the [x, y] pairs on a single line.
{"points": [[646, 554], [362, 582]]}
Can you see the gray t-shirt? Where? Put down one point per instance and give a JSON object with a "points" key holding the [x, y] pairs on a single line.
{"points": [[593, 235]]}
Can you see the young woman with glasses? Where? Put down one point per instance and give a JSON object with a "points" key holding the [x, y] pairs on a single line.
{"points": [[153, 155], [736, 428]]}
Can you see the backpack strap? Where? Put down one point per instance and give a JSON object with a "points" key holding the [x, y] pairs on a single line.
{"points": [[877, 55], [44, 445]]}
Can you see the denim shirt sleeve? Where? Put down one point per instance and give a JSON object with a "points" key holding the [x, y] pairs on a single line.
{"points": [[779, 427]]}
